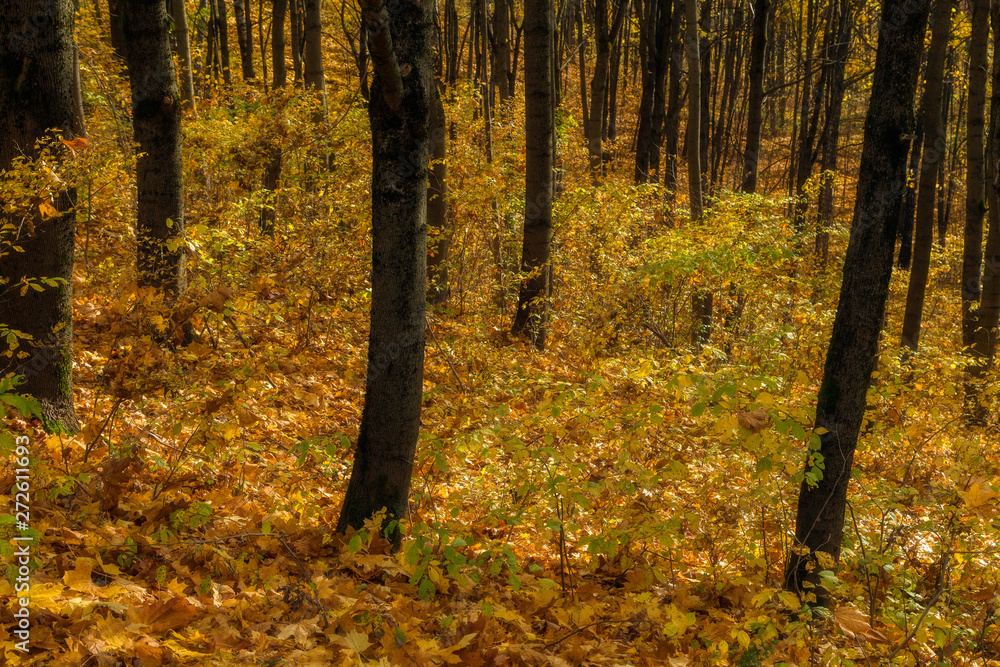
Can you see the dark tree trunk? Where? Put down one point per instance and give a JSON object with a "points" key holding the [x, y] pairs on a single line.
{"points": [[705, 20], [755, 103], [156, 119], [819, 524], [115, 24], [988, 313], [605, 34], [934, 152], [279, 74], [398, 113], [975, 197], [297, 38], [667, 165], [530, 318], [222, 28], [314, 76], [36, 95], [830, 138], [655, 44], [243, 38], [501, 19], [279, 71], [611, 113], [694, 111], [438, 233]]}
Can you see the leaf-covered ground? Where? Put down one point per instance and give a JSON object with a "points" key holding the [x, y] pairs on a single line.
{"points": [[620, 499]]}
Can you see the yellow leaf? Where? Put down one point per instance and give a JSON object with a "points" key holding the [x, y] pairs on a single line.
{"points": [[790, 600], [79, 578], [978, 495]]}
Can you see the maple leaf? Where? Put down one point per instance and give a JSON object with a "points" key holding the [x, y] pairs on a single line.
{"points": [[167, 615]]}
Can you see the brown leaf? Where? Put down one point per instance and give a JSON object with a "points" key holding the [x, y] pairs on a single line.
{"points": [[754, 421], [170, 615]]}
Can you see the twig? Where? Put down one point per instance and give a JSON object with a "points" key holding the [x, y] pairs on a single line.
{"points": [[916, 627], [446, 357]]}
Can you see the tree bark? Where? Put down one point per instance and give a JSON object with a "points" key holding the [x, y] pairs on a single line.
{"points": [[390, 420], [279, 74], [36, 95], [755, 103], [988, 313], [222, 28], [243, 38], [841, 402], [975, 196], [694, 111], [156, 119], [182, 35], [934, 152], [530, 318], [605, 34], [314, 76], [501, 20]]}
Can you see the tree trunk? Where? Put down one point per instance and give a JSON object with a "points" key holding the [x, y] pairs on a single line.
{"points": [[115, 26], [501, 19], [667, 165], [582, 55], [36, 95], [694, 111], [975, 196], [314, 76], [934, 151], [830, 138], [222, 28], [988, 313], [279, 71], [243, 38], [530, 318], [156, 119], [398, 113], [605, 34], [279, 74], [840, 407], [182, 36], [755, 104], [297, 39]]}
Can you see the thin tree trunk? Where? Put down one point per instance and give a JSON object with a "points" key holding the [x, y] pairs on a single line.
{"points": [[531, 316], [933, 155], [297, 38], [501, 19], [694, 111], [755, 103], [975, 195], [841, 403], [182, 36], [243, 38], [279, 74], [988, 313], [156, 118], [222, 27]]}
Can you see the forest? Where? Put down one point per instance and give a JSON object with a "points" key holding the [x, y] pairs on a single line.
{"points": [[499, 333]]}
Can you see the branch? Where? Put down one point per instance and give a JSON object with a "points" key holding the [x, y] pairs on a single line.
{"points": [[382, 53]]}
